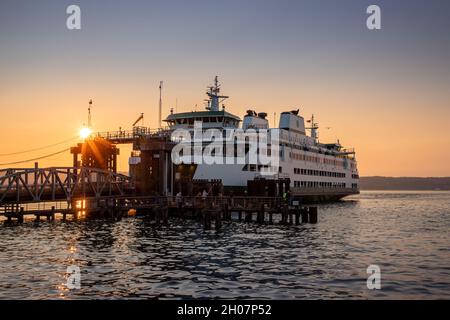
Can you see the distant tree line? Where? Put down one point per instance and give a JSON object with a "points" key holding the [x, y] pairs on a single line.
{"points": [[404, 183]]}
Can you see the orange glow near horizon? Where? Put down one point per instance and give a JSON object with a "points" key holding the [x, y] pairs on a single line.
{"points": [[389, 134]]}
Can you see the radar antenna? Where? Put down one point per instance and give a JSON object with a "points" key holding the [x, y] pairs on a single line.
{"points": [[314, 128], [214, 98]]}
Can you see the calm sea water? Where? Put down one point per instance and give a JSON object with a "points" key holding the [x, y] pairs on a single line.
{"points": [[405, 233]]}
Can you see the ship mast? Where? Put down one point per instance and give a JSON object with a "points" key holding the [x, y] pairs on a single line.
{"points": [[314, 127], [214, 97], [89, 114], [160, 104]]}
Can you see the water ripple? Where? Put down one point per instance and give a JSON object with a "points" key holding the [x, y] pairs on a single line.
{"points": [[405, 233]]}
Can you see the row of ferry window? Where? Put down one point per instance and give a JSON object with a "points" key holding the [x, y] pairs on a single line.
{"points": [[298, 156], [355, 176], [191, 121], [315, 184], [320, 173]]}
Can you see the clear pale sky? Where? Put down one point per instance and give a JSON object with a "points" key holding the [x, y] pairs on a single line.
{"points": [[385, 92]]}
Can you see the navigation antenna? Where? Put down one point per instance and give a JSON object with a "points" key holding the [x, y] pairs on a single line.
{"points": [[214, 97], [314, 127], [160, 103]]}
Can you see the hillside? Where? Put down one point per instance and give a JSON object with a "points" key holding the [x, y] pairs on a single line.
{"points": [[404, 183]]}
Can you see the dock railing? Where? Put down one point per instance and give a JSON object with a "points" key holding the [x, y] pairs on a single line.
{"points": [[129, 135], [234, 202]]}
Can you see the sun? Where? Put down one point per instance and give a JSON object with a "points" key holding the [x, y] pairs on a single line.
{"points": [[85, 132]]}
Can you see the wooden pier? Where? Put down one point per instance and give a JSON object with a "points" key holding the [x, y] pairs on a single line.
{"points": [[209, 211]]}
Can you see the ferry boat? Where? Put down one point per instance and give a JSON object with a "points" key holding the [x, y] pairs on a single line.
{"points": [[316, 171]]}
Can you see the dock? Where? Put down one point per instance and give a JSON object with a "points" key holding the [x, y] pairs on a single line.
{"points": [[210, 211], [92, 188]]}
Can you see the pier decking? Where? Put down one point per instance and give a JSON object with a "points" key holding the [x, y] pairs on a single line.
{"points": [[208, 210]]}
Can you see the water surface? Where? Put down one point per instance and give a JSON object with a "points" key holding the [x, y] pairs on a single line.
{"points": [[405, 233]]}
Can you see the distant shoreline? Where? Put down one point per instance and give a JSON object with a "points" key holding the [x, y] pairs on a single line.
{"points": [[405, 183]]}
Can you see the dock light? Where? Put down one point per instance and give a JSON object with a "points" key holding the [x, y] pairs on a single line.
{"points": [[85, 132]]}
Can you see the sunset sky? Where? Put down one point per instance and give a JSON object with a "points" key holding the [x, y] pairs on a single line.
{"points": [[384, 92]]}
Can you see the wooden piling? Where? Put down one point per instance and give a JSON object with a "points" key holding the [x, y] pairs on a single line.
{"points": [[157, 215], [165, 215], [248, 216], [206, 219], [226, 213], [313, 215], [260, 216], [284, 214], [20, 215], [304, 214], [297, 216], [218, 220], [198, 213]]}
